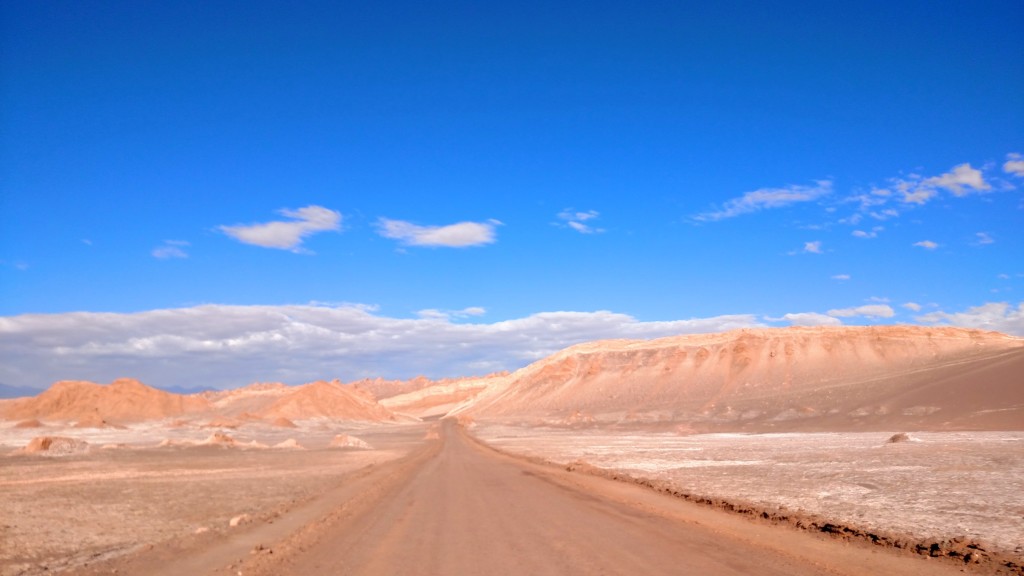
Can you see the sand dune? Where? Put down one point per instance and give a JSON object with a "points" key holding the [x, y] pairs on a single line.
{"points": [[778, 379]]}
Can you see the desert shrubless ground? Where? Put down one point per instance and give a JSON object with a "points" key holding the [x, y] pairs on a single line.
{"points": [[64, 512], [937, 486]]}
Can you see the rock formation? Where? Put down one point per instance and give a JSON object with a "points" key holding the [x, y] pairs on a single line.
{"points": [[775, 379]]}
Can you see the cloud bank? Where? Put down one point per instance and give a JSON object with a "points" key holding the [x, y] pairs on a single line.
{"points": [[228, 346], [868, 310], [998, 316], [808, 319]]}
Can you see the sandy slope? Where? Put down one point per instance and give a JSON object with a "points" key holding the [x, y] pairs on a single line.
{"points": [[777, 379], [441, 397]]}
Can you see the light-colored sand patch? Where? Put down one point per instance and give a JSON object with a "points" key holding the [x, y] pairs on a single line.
{"points": [[939, 484], [57, 513], [349, 441], [55, 446]]}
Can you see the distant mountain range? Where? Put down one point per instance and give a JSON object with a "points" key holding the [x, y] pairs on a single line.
{"points": [[186, 391], [17, 391], [7, 391]]}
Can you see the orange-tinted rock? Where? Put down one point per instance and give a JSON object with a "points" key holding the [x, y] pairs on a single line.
{"points": [[821, 377], [124, 400]]}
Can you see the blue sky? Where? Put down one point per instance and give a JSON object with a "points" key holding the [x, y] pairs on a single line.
{"points": [[530, 176]]}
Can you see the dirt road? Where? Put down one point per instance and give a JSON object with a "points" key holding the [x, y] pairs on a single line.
{"points": [[462, 509]]}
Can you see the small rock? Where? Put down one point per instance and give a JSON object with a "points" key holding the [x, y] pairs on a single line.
{"points": [[347, 441], [239, 520], [901, 437], [202, 529]]}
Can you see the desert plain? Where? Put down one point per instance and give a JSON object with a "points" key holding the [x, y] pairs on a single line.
{"points": [[848, 450]]}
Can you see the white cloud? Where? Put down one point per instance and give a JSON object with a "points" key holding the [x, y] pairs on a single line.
{"points": [[1014, 164], [912, 306], [447, 314], [998, 316], [841, 277], [766, 198], [984, 238], [458, 235], [915, 189], [960, 181], [926, 244], [807, 319], [578, 220], [865, 234], [287, 234], [877, 197], [433, 314], [911, 190], [868, 310], [885, 214], [170, 249], [234, 345], [919, 196], [813, 247]]}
